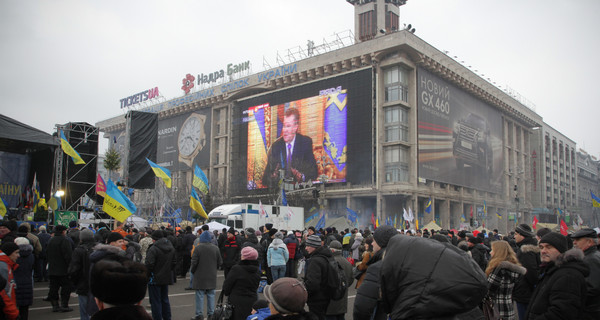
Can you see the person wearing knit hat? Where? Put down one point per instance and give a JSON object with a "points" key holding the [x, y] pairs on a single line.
{"points": [[206, 259], [542, 232], [241, 283], [313, 241], [524, 230], [79, 270], [479, 252], [317, 268], [337, 308], [115, 239], [9, 253], [561, 289], [59, 251], [160, 262], [231, 250], [130, 279], [382, 235], [157, 235]]}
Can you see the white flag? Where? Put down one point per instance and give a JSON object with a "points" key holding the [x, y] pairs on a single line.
{"points": [[405, 215], [263, 213], [411, 217]]}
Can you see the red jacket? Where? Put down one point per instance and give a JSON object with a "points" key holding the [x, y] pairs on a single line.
{"points": [[7, 292]]}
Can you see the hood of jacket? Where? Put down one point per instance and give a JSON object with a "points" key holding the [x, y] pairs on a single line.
{"points": [[277, 243], [512, 267], [528, 241], [25, 250], [164, 245], [4, 258], [250, 266], [103, 250], [322, 251], [251, 238]]}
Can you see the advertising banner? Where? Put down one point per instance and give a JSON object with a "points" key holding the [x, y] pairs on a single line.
{"points": [[459, 136], [13, 177], [64, 217]]}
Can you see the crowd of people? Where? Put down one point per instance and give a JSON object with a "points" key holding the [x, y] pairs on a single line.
{"points": [[304, 274]]}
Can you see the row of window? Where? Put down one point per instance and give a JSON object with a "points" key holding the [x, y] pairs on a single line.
{"points": [[396, 157]]}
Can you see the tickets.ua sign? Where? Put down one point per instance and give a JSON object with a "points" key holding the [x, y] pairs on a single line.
{"points": [[139, 97]]}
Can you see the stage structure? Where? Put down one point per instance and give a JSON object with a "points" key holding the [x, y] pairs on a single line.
{"points": [[77, 181]]}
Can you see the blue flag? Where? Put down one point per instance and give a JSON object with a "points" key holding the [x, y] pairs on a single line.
{"points": [[116, 204], [283, 199], [200, 180], [428, 206], [321, 223], [352, 215]]}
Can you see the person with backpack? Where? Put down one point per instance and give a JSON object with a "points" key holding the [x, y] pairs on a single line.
{"points": [[368, 303], [316, 276], [79, 270], [337, 308]]}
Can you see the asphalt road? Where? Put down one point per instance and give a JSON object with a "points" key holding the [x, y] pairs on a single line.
{"points": [[182, 302]]}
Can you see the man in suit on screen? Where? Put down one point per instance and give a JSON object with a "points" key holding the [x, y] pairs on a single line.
{"points": [[292, 152]]}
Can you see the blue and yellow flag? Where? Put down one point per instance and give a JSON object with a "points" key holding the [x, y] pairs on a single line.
{"points": [[116, 204], [3, 207], [66, 147], [428, 206], [321, 223], [595, 200], [352, 215], [161, 172], [498, 215], [484, 207], [196, 204], [200, 180]]}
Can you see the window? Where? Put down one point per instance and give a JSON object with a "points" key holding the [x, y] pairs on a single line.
{"points": [[396, 124], [396, 84], [396, 164], [367, 25]]}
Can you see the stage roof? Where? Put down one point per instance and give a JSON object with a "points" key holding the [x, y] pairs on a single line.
{"points": [[17, 137]]}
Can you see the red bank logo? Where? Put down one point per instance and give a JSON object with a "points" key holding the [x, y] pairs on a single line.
{"points": [[188, 83]]}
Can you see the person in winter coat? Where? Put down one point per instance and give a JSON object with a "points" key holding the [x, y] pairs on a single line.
{"points": [[102, 233], [292, 245], [160, 262], [241, 284], [9, 253], [337, 308], [60, 252], [287, 298], [79, 270], [503, 272], [316, 276], [368, 301], [277, 257], [364, 263], [528, 254], [23, 276], [251, 240], [145, 243], [423, 278], [205, 262], [42, 273], [355, 248], [561, 290], [188, 244], [587, 240], [119, 287], [231, 251], [479, 251]]}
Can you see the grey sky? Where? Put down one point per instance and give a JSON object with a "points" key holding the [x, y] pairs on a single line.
{"points": [[72, 61]]}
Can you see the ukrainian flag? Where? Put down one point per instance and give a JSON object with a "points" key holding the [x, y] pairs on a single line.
{"points": [[200, 180], [595, 200], [498, 215], [66, 147], [161, 172], [116, 204], [428, 206], [3, 207], [484, 207], [196, 204]]}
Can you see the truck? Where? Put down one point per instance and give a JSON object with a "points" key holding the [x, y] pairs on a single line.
{"points": [[241, 216]]}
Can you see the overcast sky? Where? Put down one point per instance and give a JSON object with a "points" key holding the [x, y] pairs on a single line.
{"points": [[72, 61]]}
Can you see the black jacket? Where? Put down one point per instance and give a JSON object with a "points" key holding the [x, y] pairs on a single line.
{"points": [[188, 242], [240, 286], [426, 279], [592, 303], [300, 316], [529, 257], [561, 291], [231, 252], [101, 235], [161, 261], [479, 253], [79, 268], [341, 306], [127, 312], [315, 280], [252, 241], [59, 255], [368, 300]]}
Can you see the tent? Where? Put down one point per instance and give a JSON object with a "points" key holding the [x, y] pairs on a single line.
{"points": [[136, 221], [431, 226], [213, 225]]}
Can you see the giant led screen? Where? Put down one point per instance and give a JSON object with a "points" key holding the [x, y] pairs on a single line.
{"points": [[312, 133], [459, 136]]}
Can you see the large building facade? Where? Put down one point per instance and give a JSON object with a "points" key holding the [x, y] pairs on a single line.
{"points": [[395, 124]]}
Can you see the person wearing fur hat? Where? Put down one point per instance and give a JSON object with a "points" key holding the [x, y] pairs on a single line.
{"points": [[205, 262], [79, 270], [367, 299], [528, 254], [23, 276], [9, 253], [59, 258], [287, 298], [241, 284], [587, 240], [119, 287], [479, 251], [561, 290], [231, 251], [503, 271]]}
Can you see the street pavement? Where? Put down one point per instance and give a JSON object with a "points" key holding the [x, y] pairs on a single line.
{"points": [[182, 302]]}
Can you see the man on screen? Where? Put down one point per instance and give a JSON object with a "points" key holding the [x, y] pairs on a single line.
{"points": [[291, 152]]}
